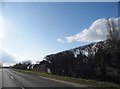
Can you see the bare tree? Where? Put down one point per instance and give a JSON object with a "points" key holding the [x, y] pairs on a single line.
{"points": [[113, 31]]}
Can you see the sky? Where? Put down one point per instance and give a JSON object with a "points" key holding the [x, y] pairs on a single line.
{"points": [[60, 0], [32, 30]]}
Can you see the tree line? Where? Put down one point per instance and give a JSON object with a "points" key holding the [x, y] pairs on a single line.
{"points": [[103, 65]]}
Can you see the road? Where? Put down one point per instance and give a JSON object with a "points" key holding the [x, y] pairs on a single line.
{"points": [[12, 79]]}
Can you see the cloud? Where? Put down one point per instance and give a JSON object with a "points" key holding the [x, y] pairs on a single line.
{"points": [[96, 32], [8, 58], [60, 40]]}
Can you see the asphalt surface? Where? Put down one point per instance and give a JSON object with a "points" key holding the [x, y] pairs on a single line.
{"points": [[12, 79]]}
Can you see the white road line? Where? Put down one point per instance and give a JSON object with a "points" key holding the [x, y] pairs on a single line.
{"points": [[22, 87], [8, 73], [11, 77]]}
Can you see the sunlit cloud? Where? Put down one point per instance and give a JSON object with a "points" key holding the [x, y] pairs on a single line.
{"points": [[96, 32], [60, 40], [9, 58]]}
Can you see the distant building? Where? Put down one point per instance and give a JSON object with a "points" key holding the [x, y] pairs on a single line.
{"points": [[49, 70], [41, 67], [30, 67]]}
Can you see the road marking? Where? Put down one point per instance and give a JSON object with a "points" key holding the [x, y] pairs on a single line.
{"points": [[8, 73], [11, 77], [22, 87]]}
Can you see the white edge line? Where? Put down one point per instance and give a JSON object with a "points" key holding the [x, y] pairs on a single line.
{"points": [[11, 77]]}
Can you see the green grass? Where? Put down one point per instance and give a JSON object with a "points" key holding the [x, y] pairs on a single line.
{"points": [[89, 83]]}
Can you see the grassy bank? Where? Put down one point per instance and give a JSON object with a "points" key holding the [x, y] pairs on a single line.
{"points": [[89, 83]]}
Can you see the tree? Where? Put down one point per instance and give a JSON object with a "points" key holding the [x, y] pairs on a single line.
{"points": [[23, 65], [113, 31]]}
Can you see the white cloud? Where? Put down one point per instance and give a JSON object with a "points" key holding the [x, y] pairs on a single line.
{"points": [[96, 32], [60, 40], [8, 58]]}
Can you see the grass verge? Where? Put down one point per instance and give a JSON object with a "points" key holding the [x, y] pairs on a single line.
{"points": [[89, 83]]}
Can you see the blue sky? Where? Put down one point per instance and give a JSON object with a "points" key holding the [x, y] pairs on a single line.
{"points": [[32, 29]]}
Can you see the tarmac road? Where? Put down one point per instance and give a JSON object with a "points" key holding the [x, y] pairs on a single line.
{"points": [[10, 79]]}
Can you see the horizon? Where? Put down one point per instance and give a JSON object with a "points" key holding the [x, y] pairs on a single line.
{"points": [[30, 31]]}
